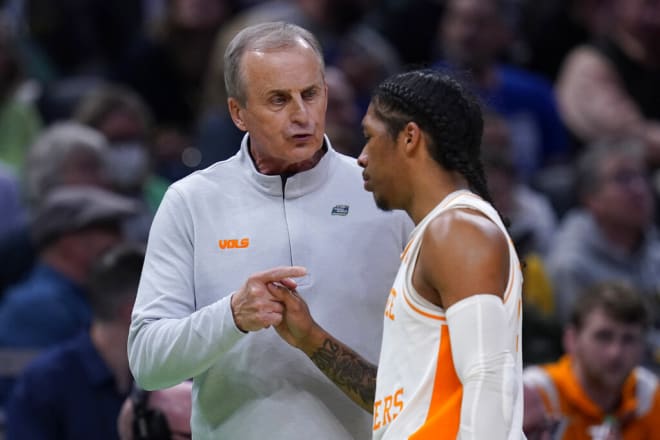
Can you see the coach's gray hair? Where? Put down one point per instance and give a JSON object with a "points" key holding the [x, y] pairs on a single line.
{"points": [[51, 152], [265, 37]]}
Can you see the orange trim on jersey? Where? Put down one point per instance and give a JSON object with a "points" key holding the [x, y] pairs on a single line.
{"points": [[422, 312], [509, 288], [444, 414], [405, 250]]}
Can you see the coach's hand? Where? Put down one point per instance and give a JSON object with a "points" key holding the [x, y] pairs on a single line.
{"points": [[254, 307]]}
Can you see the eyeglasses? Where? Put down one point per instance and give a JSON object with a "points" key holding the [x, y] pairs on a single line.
{"points": [[626, 177]]}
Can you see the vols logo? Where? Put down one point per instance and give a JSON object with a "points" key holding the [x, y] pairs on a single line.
{"points": [[234, 243]]}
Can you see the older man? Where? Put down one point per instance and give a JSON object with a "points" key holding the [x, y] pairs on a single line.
{"points": [[220, 235]]}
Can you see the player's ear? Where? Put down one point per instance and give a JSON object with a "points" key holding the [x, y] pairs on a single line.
{"points": [[412, 135], [236, 113]]}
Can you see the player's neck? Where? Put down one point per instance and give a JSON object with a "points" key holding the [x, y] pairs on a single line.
{"points": [[431, 188]]}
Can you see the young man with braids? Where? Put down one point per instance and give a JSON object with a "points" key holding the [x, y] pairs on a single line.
{"points": [[450, 363]]}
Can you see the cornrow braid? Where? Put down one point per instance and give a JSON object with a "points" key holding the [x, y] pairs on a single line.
{"points": [[446, 111]]}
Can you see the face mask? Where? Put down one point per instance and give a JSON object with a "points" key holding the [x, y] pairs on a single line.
{"points": [[128, 165]]}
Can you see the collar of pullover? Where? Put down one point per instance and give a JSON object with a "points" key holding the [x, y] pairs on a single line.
{"points": [[296, 185]]}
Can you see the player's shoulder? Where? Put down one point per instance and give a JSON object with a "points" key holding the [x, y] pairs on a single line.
{"points": [[463, 227]]}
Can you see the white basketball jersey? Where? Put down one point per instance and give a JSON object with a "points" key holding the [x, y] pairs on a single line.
{"points": [[418, 393]]}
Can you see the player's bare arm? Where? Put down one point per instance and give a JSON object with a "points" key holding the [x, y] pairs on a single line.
{"points": [[348, 370], [467, 271], [463, 254]]}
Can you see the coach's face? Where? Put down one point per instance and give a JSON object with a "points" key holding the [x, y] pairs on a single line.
{"points": [[284, 111]]}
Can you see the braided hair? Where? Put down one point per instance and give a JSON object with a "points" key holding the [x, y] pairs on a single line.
{"points": [[445, 110]]}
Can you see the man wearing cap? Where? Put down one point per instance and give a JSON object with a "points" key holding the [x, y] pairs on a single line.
{"points": [[75, 390], [70, 229]]}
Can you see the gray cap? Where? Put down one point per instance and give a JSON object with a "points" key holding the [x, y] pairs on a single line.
{"points": [[72, 208]]}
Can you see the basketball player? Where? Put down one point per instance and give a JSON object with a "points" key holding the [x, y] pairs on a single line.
{"points": [[450, 363]]}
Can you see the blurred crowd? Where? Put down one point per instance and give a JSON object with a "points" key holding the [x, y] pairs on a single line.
{"points": [[104, 104]]}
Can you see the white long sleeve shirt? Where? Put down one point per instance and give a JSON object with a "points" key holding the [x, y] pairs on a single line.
{"points": [[216, 227]]}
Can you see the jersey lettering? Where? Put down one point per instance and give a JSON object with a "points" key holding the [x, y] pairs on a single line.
{"points": [[234, 243], [387, 409], [389, 312]]}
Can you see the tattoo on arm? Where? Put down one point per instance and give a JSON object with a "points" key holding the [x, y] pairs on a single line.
{"points": [[355, 376]]}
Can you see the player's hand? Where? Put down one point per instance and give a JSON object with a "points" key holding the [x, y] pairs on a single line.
{"points": [[297, 323], [254, 307]]}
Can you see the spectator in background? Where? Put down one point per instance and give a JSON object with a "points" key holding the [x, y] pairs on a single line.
{"points": [[541, 48], [157, 415], [366, 59], [473, 35], [70, 229], [66, 153], [69, 38], [11, 203], [532, 226], [166, 67], [123, 118], [611, 235], [598, 390], [342, 119], [608, 88], [537, 424], [533, 221], [20, 121], [414, 43], [76, 390], [70, 46]]}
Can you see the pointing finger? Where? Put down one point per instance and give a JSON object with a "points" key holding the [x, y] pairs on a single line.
{"points": [[280, 273]]}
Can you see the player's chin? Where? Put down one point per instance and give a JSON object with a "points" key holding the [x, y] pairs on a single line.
{"points": [[381, 202]]}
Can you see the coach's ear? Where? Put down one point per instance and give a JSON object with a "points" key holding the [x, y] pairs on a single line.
{"points": [[236, 112], [412, 137]]}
